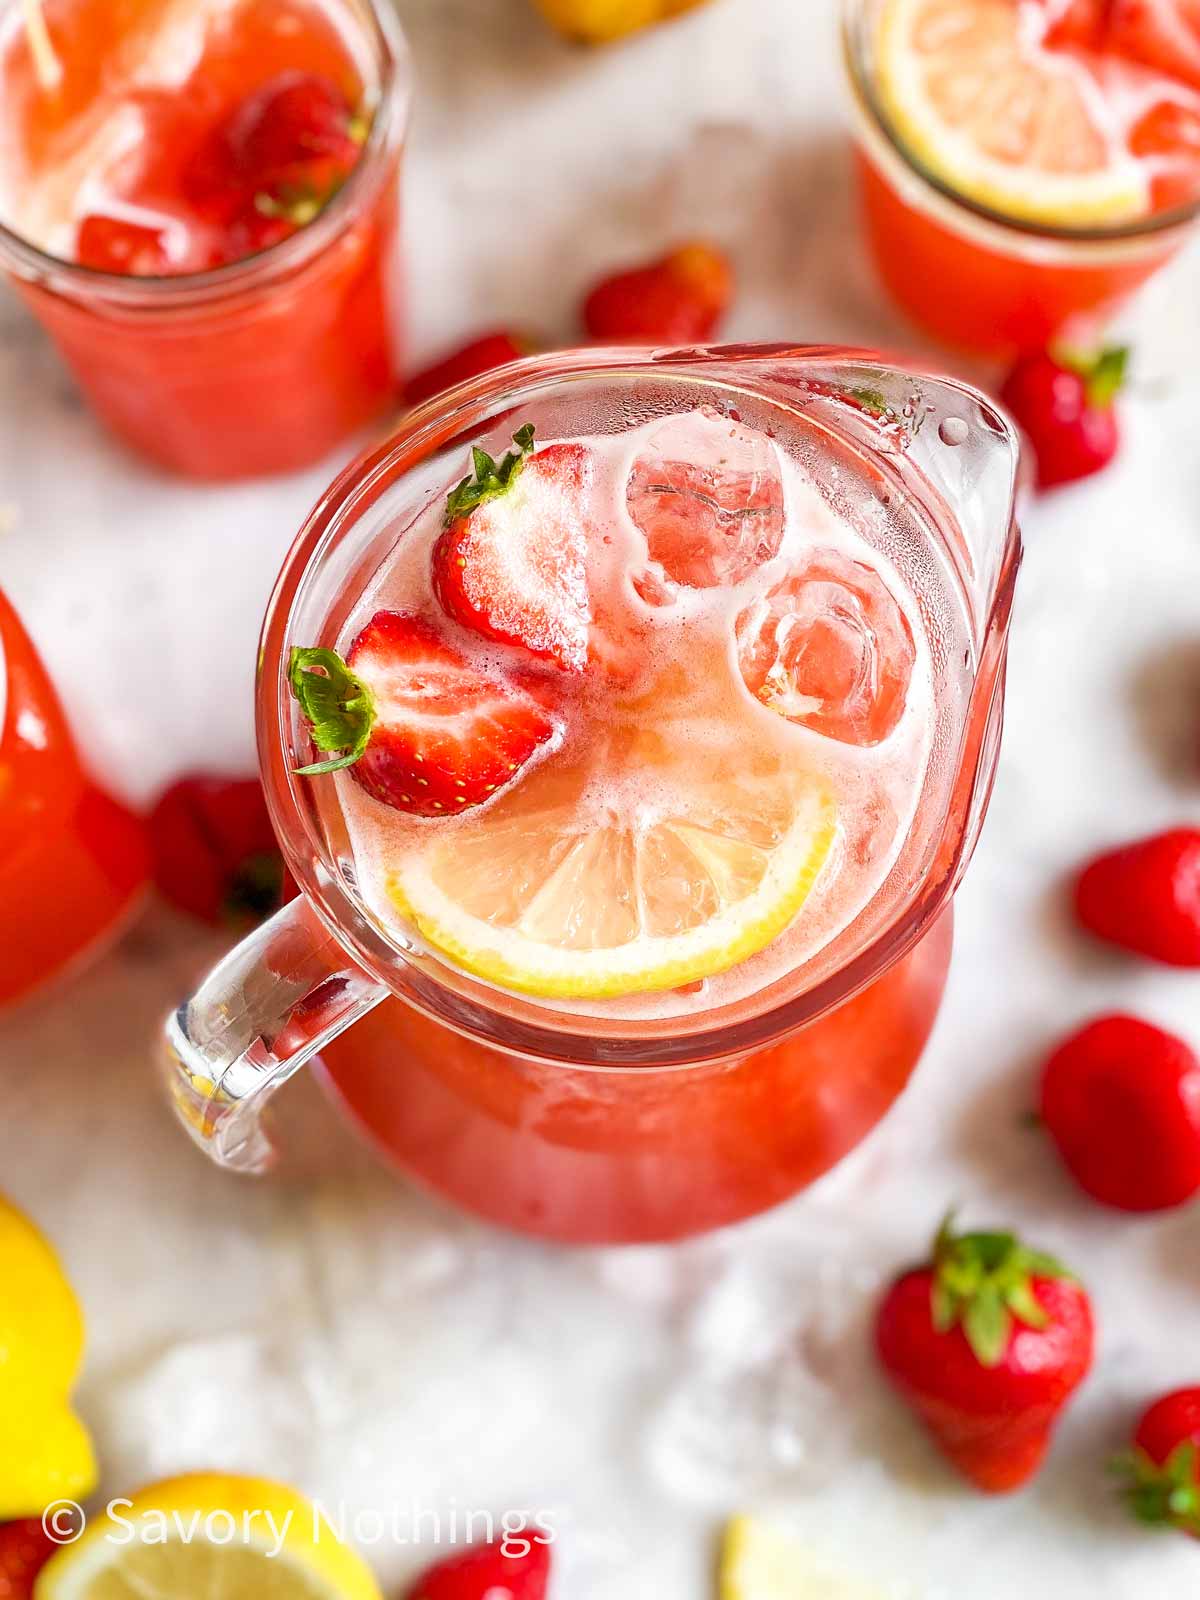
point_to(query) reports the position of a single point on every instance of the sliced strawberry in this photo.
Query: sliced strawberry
(512, 563)
(1164, 34)
(419, 727)
(112, 244)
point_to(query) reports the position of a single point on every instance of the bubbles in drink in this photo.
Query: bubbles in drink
(830, 648)
(707, 494)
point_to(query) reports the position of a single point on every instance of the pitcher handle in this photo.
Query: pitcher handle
(271, 1004)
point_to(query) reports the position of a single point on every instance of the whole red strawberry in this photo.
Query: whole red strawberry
(214, 851)
(1065, 405)
(417, 724)
(25, 1548)
(485, 1572)
(1121, 1100)
(987, 1343)
(1163, 1469)
(1145, 897)
(490, 350)
(679, 299)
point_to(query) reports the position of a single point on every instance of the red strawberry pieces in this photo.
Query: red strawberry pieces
(1163, 34)
(1163, 1469)
(1065, 405)
(1121, 1100)
(421, 728)
(512, 562)
(274, 165)
(296, 129)
(25, 1548)
(490, 350)
(987, 1344)
(214, 851)
(486, 1572)
(113, 244)
(679, 299)
(1146, 897)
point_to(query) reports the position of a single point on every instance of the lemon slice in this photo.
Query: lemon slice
(223, 1538)
(551, 897)
(758, 1563)
(984, 107)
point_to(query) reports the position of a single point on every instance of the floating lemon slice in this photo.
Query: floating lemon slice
(757, 1563)
(552, 895)
(209, 1535)
(1008, 124)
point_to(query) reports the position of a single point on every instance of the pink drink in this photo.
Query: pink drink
(754, 667)
(649, 753)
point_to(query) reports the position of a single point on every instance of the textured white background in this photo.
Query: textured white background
(341, 1331)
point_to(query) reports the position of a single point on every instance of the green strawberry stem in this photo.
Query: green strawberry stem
(490, 478)
(983, 1282)
(338, 707)
(1103, 372)
(1167, 1494)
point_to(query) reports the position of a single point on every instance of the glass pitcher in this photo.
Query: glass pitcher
(589, 1128)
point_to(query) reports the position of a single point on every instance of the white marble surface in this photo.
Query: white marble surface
(339, 1330)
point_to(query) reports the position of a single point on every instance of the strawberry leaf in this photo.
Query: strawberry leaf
(490, 478)
(338, 707)
(983, 1282)
(1166, 1494)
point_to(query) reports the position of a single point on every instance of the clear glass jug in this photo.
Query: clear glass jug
(584, 1128)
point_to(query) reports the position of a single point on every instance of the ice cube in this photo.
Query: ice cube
(829, 647)
(707, 493)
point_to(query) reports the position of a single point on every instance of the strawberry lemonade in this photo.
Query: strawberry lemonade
(635, 724)
(643, 732)
(1026, 164)
(198, 199)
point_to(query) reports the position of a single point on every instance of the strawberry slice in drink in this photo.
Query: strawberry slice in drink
(512, 562)
(707, 494)
(1163, 34)
(418, 725)
(830, 648)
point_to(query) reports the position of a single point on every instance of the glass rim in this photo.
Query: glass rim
(169, 291)
(495, 1017)
(1140, 230)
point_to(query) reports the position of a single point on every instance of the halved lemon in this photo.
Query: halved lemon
(982, 105)
(759, 1563)
(210, 1535)
(552, 895)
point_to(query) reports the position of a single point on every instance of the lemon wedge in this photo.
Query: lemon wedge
(759, 1563)
(226, 1538)
(983, 107)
